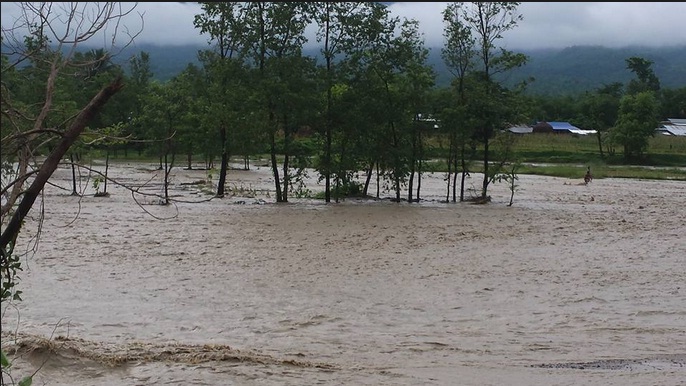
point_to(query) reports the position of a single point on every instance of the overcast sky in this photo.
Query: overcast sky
(545, 24)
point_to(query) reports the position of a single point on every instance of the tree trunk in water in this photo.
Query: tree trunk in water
(464, 172)
(166, 180)
(369, 170)
(286, 179)
(275, 166)
(286, 159)
(225, 163)
(484, 186)
(410, 184)
(73, 175)
(168, 165)
(329, 123)
(378, 181)
(419, 179)
(107, 166)
(455, 179)
(450, 165)
(420, 156)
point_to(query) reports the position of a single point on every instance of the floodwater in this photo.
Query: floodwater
(571, 285)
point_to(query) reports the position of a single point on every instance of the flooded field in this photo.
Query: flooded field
(572, 285)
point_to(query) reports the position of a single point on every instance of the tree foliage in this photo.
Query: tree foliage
(486, 23)
(636, 123)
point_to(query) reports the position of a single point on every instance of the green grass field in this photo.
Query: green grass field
(560, 155)
(568, 156)
(563, 155)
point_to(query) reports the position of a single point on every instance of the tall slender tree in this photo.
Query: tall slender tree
(275, 35)
(459, 55)
(338, 26)
(488, 21)
(598, 110)
(226, 24)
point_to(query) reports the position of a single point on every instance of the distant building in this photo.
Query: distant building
(673, 126)
(520, 129)
(560, 127)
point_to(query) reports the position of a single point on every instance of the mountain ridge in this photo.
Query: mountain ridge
(564, 71)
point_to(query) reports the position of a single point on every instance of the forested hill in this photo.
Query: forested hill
(556, 72)
(582, 68)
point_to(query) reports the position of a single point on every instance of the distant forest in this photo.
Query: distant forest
(556, 72)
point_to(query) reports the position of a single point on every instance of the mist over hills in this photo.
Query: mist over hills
(567, 71)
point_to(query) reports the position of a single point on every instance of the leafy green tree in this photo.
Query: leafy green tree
(459, 55)
(166, 116)
(598, 111)
(359, 114)
(227, 25)
(87, 71)
(386, 59)
(275, 35)
(673, 103)
(140, 79)
(417, 81)
(636, 123)
(638, 110)
(106, 137)
(191, 87)
(646, 78)
(295, 105)
(341, 27)
(488, 22)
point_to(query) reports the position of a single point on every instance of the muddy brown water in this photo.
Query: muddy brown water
(572, 285)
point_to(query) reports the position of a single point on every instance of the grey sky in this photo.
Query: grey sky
(545, 24)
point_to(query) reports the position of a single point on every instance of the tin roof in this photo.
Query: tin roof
(562, 126)
(521, 129)
(677, 121)
(679, 130)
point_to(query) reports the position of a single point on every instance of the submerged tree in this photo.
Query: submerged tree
(338, 26)
(487, 23)
(275, 37)
(225, 23)
(459, 55)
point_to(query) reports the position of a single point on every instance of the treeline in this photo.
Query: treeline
(370, 103)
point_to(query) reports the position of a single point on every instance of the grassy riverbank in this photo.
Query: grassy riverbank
(557, 155)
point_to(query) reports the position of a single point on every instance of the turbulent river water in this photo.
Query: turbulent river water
(571, 285)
